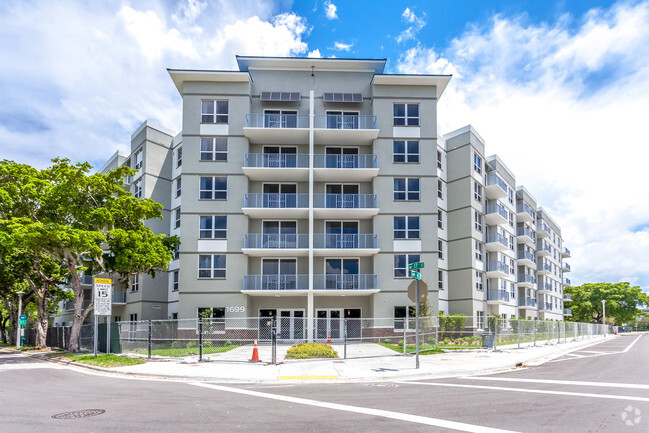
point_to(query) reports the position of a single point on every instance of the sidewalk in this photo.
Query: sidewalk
(376, 366)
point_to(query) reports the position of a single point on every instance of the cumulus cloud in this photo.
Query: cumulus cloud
(315, 54)
(80, 89)
(339, 46)
(416, 24)
(330, 10)
(564, 107)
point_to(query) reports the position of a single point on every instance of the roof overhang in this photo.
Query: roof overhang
(375, 66)
(180, 76)
(439, 81)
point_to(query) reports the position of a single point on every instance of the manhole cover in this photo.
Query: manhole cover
(78, 414)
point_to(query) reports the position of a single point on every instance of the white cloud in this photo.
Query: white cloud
(315, 54)
(417, 23)
(342, 47)
(84, 75)
(330, 10)
(565, 109)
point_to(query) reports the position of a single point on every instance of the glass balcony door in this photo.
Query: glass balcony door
(342, 196)
(290, 325)
(341, 274)
(280, 195)
(279, 157)
(279, 274)
(341, 234)
(279, 234)
(342, 120)
(280, 119)
(341, 157)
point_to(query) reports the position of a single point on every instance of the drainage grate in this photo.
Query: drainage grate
(78, 414)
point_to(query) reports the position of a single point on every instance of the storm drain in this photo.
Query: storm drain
(78, 414)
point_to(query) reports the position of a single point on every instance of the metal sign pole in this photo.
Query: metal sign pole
(107, 335)
(417, 323)
(95, 336)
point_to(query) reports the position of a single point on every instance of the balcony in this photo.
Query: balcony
(293, 285)
(347, 129)
(543, 250)
(495, 187)
(496, 242)
(347, 168)
(277, 245)
(334, 284)
(496, 269)
(567, 297)
(345, 245)
(69, 305)
(565, 267)
(277, 128)
(545, 288)
(497, 296)
(119, 297)
(526, 258)
(276, 205)
(526, 280)
(566, 281)
(545, 306)
(524, 213)
(526, 303)
(544, 269)
(567, 312)
(542, 230)
(276, 166)
(565, 252)
(524, 235)
(496, 214)
(345, 206)
(87, 280)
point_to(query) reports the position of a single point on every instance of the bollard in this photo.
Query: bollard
(150, 335)
(200, 339)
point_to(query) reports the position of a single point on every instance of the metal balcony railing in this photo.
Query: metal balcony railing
(540, 246)
(69, 305)
(526, 302)
(345, 161)
(566, 281)
(345, 240)
(494, 179)
(524, 208)
(345, 201)
(525, 231)
(522, 255)
(497, 208)
(566, 266)
(276, 200)
(543, 227)
(567, 297)
(345, 282)
(264, 240)
(498, 266)
(545, 267)
(565, 251)
(497, 295)
(526, 278)
(119, 297)
(276, 160)
(276, 282)
(567, 312)
(273, 120)
(548, 286)
(545, 306)
(88, 279)
(345, 121)
(497, 237)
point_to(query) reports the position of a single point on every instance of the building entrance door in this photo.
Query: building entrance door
(290, 325)
(329, 324)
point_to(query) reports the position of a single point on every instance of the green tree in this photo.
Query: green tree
(623, 302)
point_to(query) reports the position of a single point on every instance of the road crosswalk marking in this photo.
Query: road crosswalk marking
(559, 382)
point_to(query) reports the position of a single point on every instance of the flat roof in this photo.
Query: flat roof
(306, 63)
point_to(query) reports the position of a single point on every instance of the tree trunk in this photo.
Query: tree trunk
(79, 313)
(42, 305)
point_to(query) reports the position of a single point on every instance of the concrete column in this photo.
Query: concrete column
(309, 308)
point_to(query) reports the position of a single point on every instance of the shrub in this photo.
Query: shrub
(386, 341)
(311, 350)
(400, 343)
(207, 343)
(192, 344)
(227, 343)
(175, 344)
(430, 340)
(447, 340)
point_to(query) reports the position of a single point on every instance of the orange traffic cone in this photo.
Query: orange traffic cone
(329, 338)
(255, 353)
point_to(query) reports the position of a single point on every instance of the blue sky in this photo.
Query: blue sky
(559, 90)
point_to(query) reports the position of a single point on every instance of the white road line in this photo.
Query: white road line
(559, 382)
(631, 345)
(532, 391)
(599, 353)
(575, 355)
(453, 425)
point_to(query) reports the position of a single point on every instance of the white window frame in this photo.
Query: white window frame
(137, 189)
(218, 115)
(213, 270)
(179, 157)
(406, 228)
(213, 231)
(408, 157)
(477, 192)
(138, 159)
(408, 261)
(440, 189)
(178, 186)
(477, 221)
(135, 283)
(478, 251)
(175, 281)
(213, 192)
(477, 163)
(440, 219)
(479, 281)
(405, 119)
(214, 154)
(407, 192)
(177, 218)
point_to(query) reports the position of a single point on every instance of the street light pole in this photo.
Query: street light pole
(604, 313)
(20, 312)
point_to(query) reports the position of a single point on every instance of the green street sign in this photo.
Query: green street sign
(22, 322)
(415, 274)
(416, 265)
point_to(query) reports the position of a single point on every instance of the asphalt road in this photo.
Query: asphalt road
(603, 388)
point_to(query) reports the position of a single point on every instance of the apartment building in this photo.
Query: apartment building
(303, 188)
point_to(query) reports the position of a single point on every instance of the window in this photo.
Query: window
(401, 262)
(138, 160)
(135, 283)
(478, 250)
(512, 268)
(406, 114)
(400, 316)
(440, 249)
(213, 188)
(477, 218)
(179, 157)
(405, 151)
(176, 281)
(406, 227)
(211, 313)
(213, 227)
(440, 219)
(511, 218)
(477, 163)
(439, 159)
(440, 280)
(174, 316)
(214, 111)
(511, 195)
(406, 188)
(479, 319)
(177, 218)
(118, 319)
(132, 317)
(477, 192)
(177, 255)
(511, 243)
(478, 280)
(137, 189)
(214, 149)
(211, 266)
(512, 289)
(178, 187)
(440, 189)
